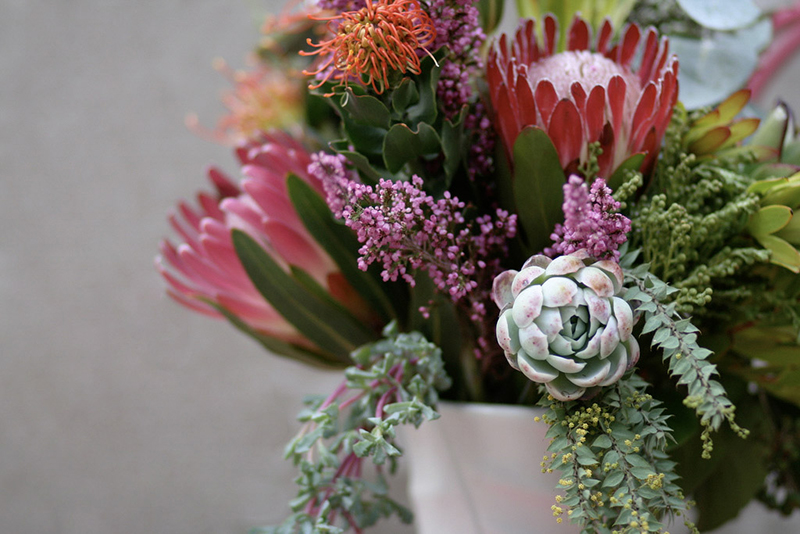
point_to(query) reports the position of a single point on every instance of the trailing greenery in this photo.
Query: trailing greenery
(394, 382)
(615, 476)
(676, 338)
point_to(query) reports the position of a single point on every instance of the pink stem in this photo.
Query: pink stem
(784, 46)
(333, 396)
(352, 522)
(786, 17)
(382, 401)
(351, 400)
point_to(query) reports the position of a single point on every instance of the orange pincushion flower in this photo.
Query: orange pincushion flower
(374, 42)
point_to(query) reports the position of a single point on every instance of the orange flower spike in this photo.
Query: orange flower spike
(372, 43)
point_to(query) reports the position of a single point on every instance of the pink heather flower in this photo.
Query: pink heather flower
(591, 221)
(205, 265)
(403, 229)
(585, 94)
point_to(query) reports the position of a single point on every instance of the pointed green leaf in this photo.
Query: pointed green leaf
(316, 320)
(538, 187)
(491, 13)
(340, 244)
(279, 347)
(773, 129)
(769, 220)
(783, 253)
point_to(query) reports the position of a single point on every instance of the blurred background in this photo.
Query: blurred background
(120, 411)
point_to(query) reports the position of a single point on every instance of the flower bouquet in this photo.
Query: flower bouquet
(583, 215)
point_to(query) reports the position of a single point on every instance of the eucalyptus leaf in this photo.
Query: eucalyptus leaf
(721, 14)
(717, 65)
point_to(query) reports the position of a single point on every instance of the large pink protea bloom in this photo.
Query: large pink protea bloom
(205, 266)
(584, 95)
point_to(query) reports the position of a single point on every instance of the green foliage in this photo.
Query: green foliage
(394, 381)
(593, 11)
(538, 187)
(615, 475)
(692, 229)
(676, 337)
(306, 355)
(401, 132)
(342, 246)
(312, 311)
(727, 482)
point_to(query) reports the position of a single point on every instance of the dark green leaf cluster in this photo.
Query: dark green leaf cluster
(402, 131)
(676, 337)
(394, 382)
(615, 476)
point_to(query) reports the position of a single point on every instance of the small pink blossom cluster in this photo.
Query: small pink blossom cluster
(402, 228)
(591, 221)
(458, 28)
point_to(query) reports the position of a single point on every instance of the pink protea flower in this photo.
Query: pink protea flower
(585, 95)
(205, 266)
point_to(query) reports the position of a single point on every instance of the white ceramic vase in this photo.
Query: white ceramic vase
(476, 470)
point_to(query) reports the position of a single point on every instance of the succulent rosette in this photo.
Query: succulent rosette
(564, 324)
(587, 93)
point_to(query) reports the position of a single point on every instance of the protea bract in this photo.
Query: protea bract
(586, 94)
(204, 272)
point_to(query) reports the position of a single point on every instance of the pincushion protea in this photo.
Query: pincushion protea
(205, 267)
(373, 44)
(581, 96)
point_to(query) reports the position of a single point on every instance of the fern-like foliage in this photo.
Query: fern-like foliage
(676, 338)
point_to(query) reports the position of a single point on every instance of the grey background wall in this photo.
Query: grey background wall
(119, 411)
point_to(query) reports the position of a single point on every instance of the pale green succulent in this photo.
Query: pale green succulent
(774, 225)
(563, 324)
